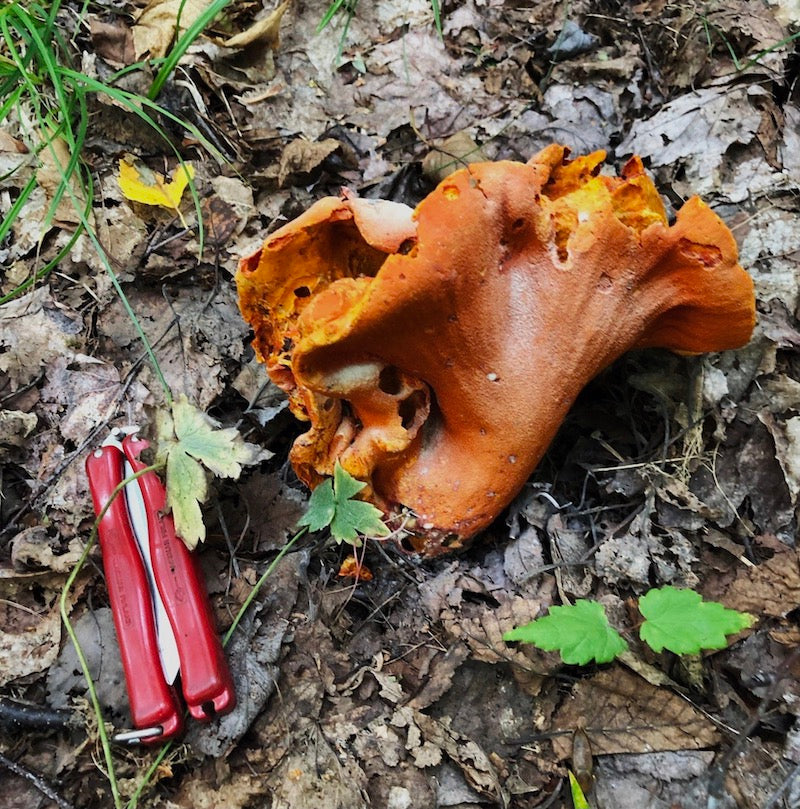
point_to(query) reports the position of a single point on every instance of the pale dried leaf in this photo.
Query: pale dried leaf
(29, 641)
(265, 32)
(54, 157)
(301, 157)
(156, 25)
(15, 426)
(34, 330)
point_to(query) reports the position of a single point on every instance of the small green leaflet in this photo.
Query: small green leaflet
(188, 441)
(679, 620)
(331, 504)
(580, 632)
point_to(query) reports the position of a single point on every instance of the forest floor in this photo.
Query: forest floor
(399, 691)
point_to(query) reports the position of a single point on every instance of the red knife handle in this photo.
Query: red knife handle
(205, 676)
(153, 702)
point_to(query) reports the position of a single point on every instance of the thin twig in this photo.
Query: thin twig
(36, 780)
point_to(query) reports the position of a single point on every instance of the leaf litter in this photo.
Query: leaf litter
(376, 693)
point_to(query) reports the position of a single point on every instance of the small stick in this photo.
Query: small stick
(37, 781)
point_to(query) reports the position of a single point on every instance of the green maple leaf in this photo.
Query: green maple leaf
(331, 504)
(679, 620)
(580, 632)
(192, 444)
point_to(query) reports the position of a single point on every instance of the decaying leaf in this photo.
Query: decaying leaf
(140, 184)
(15, 426)
(53, 178)
(29, 641)
(451, 154)
(34, 549)
(98, 640)
(427, 738)
(301, 157)
(34, 330)
(771, 587)
(236, 792)
(265, 32)
(621, 713)
(786, 434)
(191, 442)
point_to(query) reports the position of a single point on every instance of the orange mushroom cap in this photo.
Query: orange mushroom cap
(436, 355)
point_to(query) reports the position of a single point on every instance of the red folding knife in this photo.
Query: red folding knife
(159, 603)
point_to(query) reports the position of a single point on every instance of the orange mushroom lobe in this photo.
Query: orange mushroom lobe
(435, 352)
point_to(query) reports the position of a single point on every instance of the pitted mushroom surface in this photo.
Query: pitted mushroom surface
(435, 352)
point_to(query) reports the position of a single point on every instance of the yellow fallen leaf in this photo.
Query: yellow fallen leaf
(140, 184)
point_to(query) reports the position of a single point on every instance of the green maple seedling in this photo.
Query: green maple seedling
(580, 632)
(192, 444)
(677, 620)
(332, 505)
(682, 622)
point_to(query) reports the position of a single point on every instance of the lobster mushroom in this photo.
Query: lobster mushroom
(435, 352)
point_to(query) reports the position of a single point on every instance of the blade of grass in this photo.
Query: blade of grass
(329, 14)
(260, 583)
(90, 233)
(182, 45)
(437, 17)
(740, 66)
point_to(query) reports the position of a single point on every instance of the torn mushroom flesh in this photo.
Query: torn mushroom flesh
(435, 352)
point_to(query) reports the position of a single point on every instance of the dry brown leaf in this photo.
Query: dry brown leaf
(266, 32)
(82, 392)
(15, 426)
(481, 627)
(314, 775)
(427, 738)
(451, 154)
(156, 25)
(30, 636)
(34, 330)
(301, 157)
(770, 588)
(623, 714)
(112, 41)
(33, 548)
(786, 434)
(237, 792)
(33, 648)
(440, 677)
